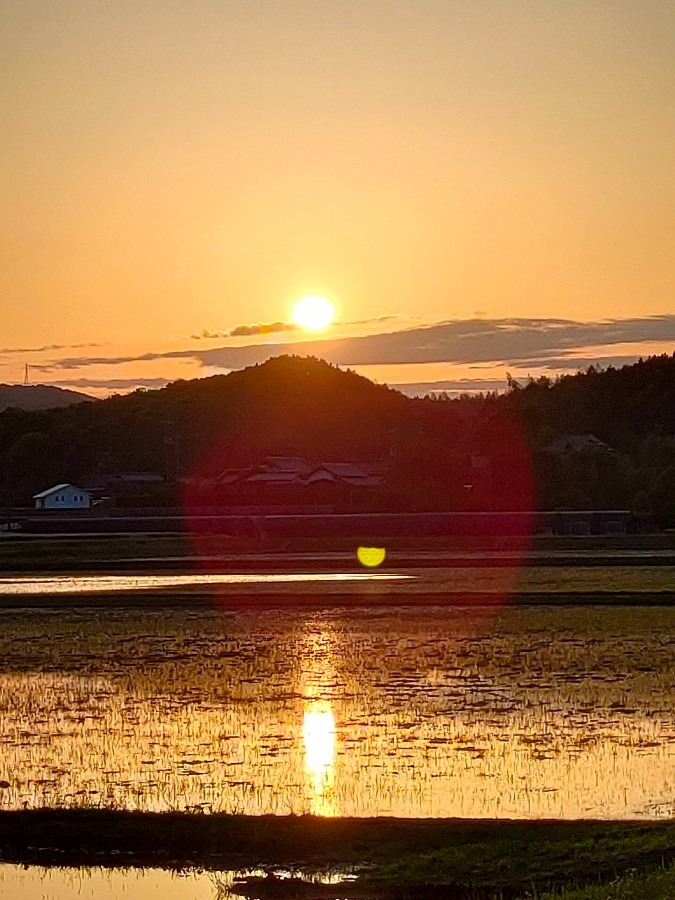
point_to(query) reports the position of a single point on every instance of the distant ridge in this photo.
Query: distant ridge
(38, 396)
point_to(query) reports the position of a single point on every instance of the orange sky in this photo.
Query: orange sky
(168, 167)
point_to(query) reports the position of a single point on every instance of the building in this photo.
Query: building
(63, 496)
(345, 473)
(576, 443)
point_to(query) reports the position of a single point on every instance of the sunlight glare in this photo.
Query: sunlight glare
(318, 732)
(319, 735)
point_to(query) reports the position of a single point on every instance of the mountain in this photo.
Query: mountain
(38, 396)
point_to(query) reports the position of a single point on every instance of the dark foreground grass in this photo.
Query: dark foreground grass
(313, 598)
(655, 885)
(402, 858)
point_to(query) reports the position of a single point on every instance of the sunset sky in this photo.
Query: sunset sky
(452, 174)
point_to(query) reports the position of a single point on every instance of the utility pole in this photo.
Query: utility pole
(8, 497)
(26, 379)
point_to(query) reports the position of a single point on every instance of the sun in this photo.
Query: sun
(313, 313)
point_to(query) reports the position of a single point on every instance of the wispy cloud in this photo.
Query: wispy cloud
(46, 348)
(377, 319)
(262, 328)
(83, 362)
(450, 386)
(206, 335)
(245, 331)
(574, 363)
(111, 384)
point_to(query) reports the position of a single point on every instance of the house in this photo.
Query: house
(230, 476)
(63, 496)
(277, 470)
(576, 443)
(136, 478)
(295, 464)
(346, 473)
(285, 481)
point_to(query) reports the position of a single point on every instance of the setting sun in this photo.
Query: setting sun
(313, 313)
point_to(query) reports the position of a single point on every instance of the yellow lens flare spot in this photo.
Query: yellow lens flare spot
(371, 556)
(313, 313)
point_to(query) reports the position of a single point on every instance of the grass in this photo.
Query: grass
(420, 858)
(92, 552)
(526, 858)
(657, 885)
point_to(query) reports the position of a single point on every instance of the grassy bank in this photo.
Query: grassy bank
(655, 885)
(400, 857)
(166, 552)
(315, 598)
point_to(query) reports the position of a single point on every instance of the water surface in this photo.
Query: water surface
(90, 584)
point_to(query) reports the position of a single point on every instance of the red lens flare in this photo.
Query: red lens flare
(261, 514)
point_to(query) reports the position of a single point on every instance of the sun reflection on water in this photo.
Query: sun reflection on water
(318, 732)
(318, 726)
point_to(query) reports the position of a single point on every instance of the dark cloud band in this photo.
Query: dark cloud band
(549, 343)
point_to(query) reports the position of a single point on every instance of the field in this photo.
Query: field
(162, 728)
(516, 712)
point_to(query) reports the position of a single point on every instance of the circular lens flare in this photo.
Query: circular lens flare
(371, 557)
(313, 313)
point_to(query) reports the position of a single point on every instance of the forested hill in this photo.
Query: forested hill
(306, 407)
(288, 405)
(620, 406)
(38, 396)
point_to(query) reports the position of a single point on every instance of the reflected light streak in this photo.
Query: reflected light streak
(318, 726)
(67, 584)
(318, 732)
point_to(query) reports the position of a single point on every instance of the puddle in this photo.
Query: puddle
(31, 882)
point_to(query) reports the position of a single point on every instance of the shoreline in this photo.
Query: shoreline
(148, 598)
(53, 564)
(395, 857)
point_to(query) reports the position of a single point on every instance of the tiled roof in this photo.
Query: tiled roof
(56, 489)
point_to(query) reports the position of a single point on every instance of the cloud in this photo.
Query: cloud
(82, 362)
(277, 327)
(457, 386)
(262, 328)
(516, 342)
(205, 335)
(465, 341)
(5, 351)
(377, 319)
(245, 331)
(575, 363)
(111, 384)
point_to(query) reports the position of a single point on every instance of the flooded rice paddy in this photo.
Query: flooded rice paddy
(430, 711)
